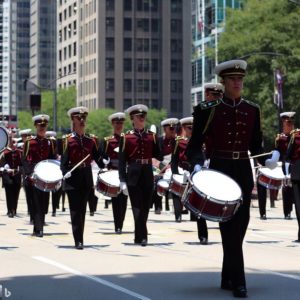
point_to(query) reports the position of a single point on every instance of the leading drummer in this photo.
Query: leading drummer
(109, 146)
(79, 150)
(36, 149)
(231, 127)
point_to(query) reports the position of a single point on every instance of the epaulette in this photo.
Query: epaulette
(294, 131)
(123, 136)
(252, 103)
(208, 104)
(130, 132)
(91, 136)
(65, 136)
(107, 138)
(179, 137)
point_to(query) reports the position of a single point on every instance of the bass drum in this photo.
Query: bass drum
(212, 195)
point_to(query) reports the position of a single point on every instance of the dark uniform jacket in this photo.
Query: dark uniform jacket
(293, 154)
(75, 149)
(228, 132)
(136, 150)
(108, 146)
(179, 158)
(35, 150)
(12, 157)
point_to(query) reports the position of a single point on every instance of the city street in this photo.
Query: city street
(173, 265)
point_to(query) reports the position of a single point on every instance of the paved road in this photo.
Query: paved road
(173, 266)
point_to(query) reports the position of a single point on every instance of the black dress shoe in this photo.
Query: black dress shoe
(144, 243)
(118, 231)
(39, 233)
(79, 246)
(203, 240)
(53, 214)
(240, 292)
(178, 219)
(226, 285)
(91, 213)
(263, 217)
(10, 215)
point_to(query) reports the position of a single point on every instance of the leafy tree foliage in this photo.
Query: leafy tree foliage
(255, 33)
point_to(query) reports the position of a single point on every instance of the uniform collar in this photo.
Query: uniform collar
(229, 102)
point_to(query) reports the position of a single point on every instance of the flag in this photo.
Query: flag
(278, 83)
(199, 19)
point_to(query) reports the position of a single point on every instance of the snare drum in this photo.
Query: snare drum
(47, 175)
(212, 195)
(177, 185)
(162, 187)
(271, 179)
(108, 183)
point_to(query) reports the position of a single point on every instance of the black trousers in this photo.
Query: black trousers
(29, 198)
(296, 189)
(156, 199)
(140, 197)
(119, 206)
(233, 233)
(201, 226)
(288, 199)
(55, 199)
(12, 192)
(93, 201)
(39, 208)
(262, 198)
(177, 206)
(78, 199)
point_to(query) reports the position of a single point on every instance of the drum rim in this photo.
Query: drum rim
(260, 173)
(6, 136)
(54, 161)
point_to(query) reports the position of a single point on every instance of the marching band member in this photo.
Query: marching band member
(281, 144)
(230, 127)
(179, 159)
(293, 168)
(109, 147)
(136, 150)
(10, 162)
(79, 149)
(167, 143)
(36, 149)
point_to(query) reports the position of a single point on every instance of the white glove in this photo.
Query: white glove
(186, 176)
(206, 163)
(197, 168)
(1, 169)
(287, 167)
(106, 161)
(287, 180)
(271, 163)
(67, 175)
(123, 187)
(6, 167)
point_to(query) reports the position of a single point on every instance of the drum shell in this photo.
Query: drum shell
(176, 187)
(162, 189)
(269, 183)
(107, 189)
(208, 208)
(46, 186)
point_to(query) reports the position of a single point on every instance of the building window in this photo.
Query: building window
(127, 44)
(142, 24)
(176, 46)
(154, 25)
(127, 5)
(109, 103)
(154, 5)
(154, 45)
(127, 24)
(127, 65)
(110, 4)
(110, 44)
(154, 65)
(110, 24)
(154, 86)
(127, 103)
(176, 26)
(176, 65)
(176, 6)
(109, 84)
(127, 85)
(109, 64)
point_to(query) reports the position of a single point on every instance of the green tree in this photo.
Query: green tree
(260, 27)
(25, 120)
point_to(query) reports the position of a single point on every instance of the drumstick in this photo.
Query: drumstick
(78, 164)
(259, 155)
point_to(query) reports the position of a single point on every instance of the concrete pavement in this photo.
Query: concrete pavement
(173, 266)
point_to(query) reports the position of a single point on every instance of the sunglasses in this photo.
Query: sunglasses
(42, 124)
(79, 118)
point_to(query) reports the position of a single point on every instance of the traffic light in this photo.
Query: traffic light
(35, 102)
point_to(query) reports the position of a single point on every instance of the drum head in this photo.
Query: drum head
(163, 183)
(217, 185)
(178, 178)
(48, 170)
(110, 177)
(3, 138)
(276, 173)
